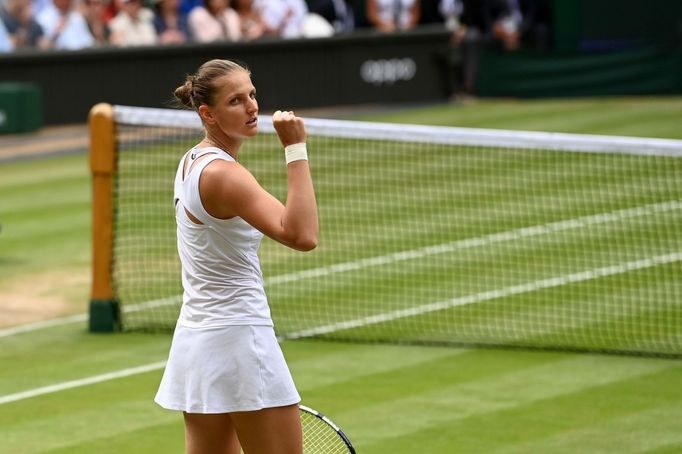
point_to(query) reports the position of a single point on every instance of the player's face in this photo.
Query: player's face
(235, 108)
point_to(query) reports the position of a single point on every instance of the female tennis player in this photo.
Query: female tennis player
(225, 369)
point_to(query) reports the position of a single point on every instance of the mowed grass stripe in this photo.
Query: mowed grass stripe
(38, 172)
(316, 364)
(479, 383)
(45, 217)
(67, 353)
(634, 433)
(483, 414)
(633, 116)
(571, 423)
(136, 392)
(359, 353)
(85, 413)
(164, 437)
(590, 420)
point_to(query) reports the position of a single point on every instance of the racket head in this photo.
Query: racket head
(321, 435)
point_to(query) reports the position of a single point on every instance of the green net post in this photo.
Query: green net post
(105, 316)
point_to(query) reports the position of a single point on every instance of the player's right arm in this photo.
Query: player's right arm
(228, 189)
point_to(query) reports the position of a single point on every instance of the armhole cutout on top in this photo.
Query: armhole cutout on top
(189, 215)
(192, 218)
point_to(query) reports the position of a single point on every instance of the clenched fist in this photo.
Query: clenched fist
(289, 127)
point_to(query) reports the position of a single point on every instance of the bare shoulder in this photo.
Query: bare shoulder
(222, 170)
(227, 178)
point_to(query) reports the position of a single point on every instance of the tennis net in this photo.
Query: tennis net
(433, 234)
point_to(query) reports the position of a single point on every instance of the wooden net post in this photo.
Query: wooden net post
(104, 309)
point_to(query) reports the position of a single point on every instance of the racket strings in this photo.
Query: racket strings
(319, 437)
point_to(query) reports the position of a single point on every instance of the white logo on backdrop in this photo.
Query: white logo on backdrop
(3, 117)
(378, 72)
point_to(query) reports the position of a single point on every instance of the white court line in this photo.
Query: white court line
(490, 295)
(380, 318)
(44, 324)
(484, 240)
(78, 318)
(81, 382)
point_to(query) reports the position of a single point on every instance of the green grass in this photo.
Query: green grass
(389, 399)
(45, 238)
(635, 116)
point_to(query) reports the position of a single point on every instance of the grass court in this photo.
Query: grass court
(387, 398)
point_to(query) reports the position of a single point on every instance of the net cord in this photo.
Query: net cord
(174, 118)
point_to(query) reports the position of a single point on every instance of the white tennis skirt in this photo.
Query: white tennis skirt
(225, 369)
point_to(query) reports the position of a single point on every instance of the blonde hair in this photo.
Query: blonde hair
(199, 88)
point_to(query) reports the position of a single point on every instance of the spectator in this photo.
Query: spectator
(112, 9)
(507, 25)
(474, 24)
(283, 18)
(133, 25)
(450, 12)
(339, 13)
(94, 13)
(172, 26)
(316, 26)
(252, 24)
(24, 31)
(389, 16)
(431, 11)
(188, 5)
(215, 22)
(535, 23)
(492, 22)
(64, 26)
(5, 41)
(37, 6)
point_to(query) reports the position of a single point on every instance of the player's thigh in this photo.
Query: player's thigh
(270, 431)
(210, 433)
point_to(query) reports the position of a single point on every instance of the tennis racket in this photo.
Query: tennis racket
(321, 435)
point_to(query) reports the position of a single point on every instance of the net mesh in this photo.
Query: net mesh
(523, 240)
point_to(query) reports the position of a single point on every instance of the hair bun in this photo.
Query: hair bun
(184, 92)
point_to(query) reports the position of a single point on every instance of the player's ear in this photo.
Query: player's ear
(206, 114)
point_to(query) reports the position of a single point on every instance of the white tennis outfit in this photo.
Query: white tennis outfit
(224, 356)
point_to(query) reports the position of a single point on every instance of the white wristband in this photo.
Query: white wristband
(296, 152)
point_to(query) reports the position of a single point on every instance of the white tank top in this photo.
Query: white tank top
(221, 274)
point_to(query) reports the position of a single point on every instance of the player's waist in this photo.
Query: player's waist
(244, 308)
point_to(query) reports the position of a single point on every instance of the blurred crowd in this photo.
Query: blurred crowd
(78, 24)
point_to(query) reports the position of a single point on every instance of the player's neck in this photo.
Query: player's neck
(228, 145)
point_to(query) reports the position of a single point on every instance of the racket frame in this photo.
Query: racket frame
(331, 423)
